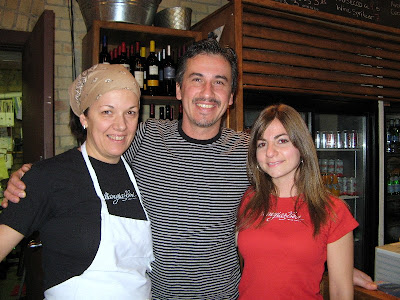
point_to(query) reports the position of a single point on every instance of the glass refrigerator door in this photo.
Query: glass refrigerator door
(392, 173)
(341, 147)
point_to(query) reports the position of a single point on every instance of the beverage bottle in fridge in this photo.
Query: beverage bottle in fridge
(335, 189)
(152, 71)
(390, 185)
(396, 183)
(394, 133)
(389, 137)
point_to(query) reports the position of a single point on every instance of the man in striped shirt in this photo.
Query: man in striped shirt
(192, 174)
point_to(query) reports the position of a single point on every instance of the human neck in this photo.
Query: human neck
(200, 133)
(285, 189)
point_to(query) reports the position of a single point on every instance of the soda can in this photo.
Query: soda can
(339, 140)
(331, 166)
(324, 166)
(345, 139)
(339, 167)
(353, 139)
(323, 139)
(330, 139)
(317, 140)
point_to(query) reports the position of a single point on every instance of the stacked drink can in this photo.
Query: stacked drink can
(336, 182)
(346, 139)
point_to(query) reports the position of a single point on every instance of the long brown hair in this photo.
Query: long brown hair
(308, 180)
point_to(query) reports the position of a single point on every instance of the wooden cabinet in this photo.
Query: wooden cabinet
(117, 33)
(284, 48)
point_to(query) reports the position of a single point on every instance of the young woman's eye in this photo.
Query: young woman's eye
(260, 144)
(283, 141)
(132, 113)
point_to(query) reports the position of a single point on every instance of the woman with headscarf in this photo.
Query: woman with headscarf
(85, 202)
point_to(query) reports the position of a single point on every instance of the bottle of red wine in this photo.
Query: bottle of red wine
(104, 57)
(180, 115)
(123, 59)
(169, 74)
(152, 110)
(152, 71)
(162, 115)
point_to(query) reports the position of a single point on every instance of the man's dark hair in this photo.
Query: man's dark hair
(212, 47)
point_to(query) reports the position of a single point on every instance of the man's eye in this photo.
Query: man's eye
(107, 112)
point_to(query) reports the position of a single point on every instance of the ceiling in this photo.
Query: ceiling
(10, 60)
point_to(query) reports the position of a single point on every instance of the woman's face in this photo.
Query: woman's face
(111, 125)
(277, 156)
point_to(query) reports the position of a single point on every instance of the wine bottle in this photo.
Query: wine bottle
(143, 59)
(152, 110)
(169, 74)
(161, 58)
(104, 57)
(167, 111)
(123, 59)
(162, 115)
(137, 66)
(115, 58)
(180, 114)
(152, 71)
(132, 54)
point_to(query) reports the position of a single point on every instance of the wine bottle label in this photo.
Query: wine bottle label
(139, 76)
(152, 82)
(169, 73)
(153, 70)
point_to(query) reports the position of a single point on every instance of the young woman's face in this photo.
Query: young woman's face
(276, 154)
(111, 125)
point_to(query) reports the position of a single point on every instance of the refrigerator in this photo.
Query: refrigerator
(345, 133)
(391, 216)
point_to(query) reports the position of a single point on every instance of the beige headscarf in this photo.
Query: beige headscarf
(98, 80)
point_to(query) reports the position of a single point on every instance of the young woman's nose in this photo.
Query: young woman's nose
(271, 150)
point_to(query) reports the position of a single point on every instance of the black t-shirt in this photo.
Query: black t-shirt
(62, 204)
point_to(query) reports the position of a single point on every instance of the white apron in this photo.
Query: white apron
(118, 270)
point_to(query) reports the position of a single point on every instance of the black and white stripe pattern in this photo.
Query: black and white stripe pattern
(191, 190)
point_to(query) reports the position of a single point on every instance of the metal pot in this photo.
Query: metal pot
(174, 17)
(129, 11)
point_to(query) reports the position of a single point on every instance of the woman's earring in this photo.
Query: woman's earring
(258, 168)
(84, 127)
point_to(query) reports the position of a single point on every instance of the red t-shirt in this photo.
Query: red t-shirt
(282, 260)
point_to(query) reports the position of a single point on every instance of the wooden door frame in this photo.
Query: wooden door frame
(13, 40)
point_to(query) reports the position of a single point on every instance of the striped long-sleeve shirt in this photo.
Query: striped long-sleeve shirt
(191, 190)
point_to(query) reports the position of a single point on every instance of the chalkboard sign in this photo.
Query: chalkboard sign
(384, 12)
